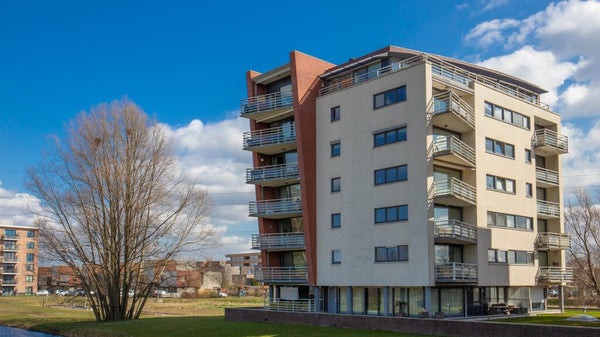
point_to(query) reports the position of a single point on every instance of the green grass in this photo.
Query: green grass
(200, 317)
(556, 319)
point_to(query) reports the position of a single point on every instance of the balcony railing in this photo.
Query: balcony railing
(11, 248)
(272, 173)
(450, 145)
(275, 208)
(454, 230)
(456, 272)
(303, 305)
(546, 177)
(282, 274)
(454, 187)
(373, 74)
(553, 241)
(450, 102)
(10, 270)
(266, 102)
(550, 141)
(555, 274)
(272, 136)
(293, 240)
(548, 209)
(10, 260)
(10, 236)
(8, 282)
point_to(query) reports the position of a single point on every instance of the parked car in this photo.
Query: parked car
(159, 293)
(42, 292)
(222, 294)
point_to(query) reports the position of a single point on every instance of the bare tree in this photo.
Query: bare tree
(582, 216)
(115, 210)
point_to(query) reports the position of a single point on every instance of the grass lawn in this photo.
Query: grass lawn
(556, 319)
(163, 318)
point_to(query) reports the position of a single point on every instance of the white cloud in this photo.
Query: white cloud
(580, 165)
(16, 209)
(491, 4)
(491, 32)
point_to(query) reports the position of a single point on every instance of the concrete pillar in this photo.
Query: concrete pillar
(561, 298)
(386, 301)
(427, 300)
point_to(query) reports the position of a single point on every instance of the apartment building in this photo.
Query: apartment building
(18, 256)
(404, 183)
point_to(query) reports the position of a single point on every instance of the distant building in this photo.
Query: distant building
(57, 277)
(247, 263)
(19, 257)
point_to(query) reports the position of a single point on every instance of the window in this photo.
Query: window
(500, 184)
(391, 254)
(336, 220)
(506, 115)
(509, 221)
(10, 233)
(510, 256)
(391, 174)
(391, 214)
(528, 190)
(28, 278)
(389, 136)
(335, 113)
(29, 290)
(336, 257)
(30, 245)
(500, 148)
(528, 156)
(30, 234)
(389, 97)
(29, 267)
(30, 257)
(336, 149)
(335, 184)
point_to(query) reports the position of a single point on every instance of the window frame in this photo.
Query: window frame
(502, 220)
(499, 148)
(398, 253)
(400, 174)
(506, 115)
(336, 223)
(390, 136)
(335, 149)
(336, 185)
(388, 212)
(335, 113)
(336, 256)
(500, 180)
(389, 97)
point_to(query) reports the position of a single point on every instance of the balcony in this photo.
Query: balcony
(11, 237)
(554, 274)
(278, 241)
(549, 143)
(271, 141)
(454, 192)
(553, 241)
(453, 150)
(284, 275)
(9, 259)
(273, 175)
(545, 177)
(456, 272)
(11, 248)
(269, 107)
(9, 281)
(9, 271)
(301, 305)
(452, 112)
(276, 208)
(548, 209)
(454, 232)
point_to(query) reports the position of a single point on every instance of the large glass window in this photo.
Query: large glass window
(510, 256)
(500, 148)
(503, 114)
(509, 220)
(389, 136)
(500, 184)
(391, 174)
(391, 254)
(389, 97)
(391, 214)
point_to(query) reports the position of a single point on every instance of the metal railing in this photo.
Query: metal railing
(455, 146)
(271, 136)
(455, 229)
(10, 237)
(548, 208)
(7, 282)
(443, 69)
(551, 240)
(273, 172)
(300, 305)
(10, 270)
(9, 248)
(547, 137)
(457, 188)
(282, 274)
(275, 207)
(10, 259)
(278, 240)
(451, 102)
(555, 274)
(546, 176)
(373, 74)
(266, 102)
(456, 272)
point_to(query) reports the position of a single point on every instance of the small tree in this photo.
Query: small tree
(582, 216)
(115, 210)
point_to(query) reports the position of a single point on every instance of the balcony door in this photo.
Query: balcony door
(445, 254)
(443, 175)
(446, 213)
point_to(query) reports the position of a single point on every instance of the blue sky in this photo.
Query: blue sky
(185, 62)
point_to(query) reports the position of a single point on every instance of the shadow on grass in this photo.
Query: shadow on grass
(201, 326)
